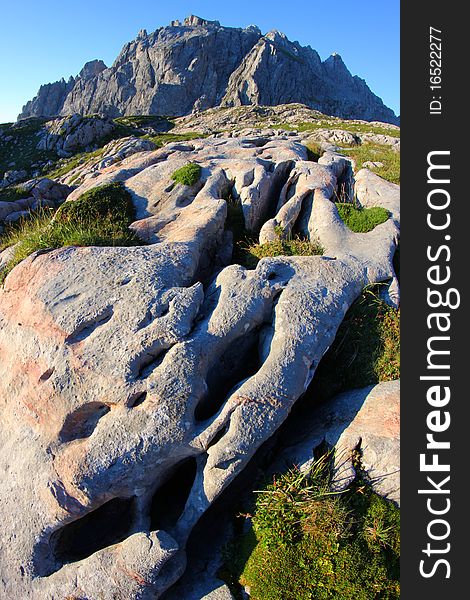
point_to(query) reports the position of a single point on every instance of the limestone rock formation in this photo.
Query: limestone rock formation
(138, 382)
(70, 134)
(199, 64)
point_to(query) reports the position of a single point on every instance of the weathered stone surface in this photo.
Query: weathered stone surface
(123, 374)
(368, 419)
(11, 177)
(252, 168)
(113, 152)
(272, 121)
(73, 133)
(198, 64)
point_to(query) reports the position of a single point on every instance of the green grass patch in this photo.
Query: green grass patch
(21, 149)
(253, 252)
(162, 139)
(187, 174)
(138, 121)
(377, 153)
(12, 193)
(361, 220)
(366, 349)
(100, 217)
(309, 543)
(339, 124)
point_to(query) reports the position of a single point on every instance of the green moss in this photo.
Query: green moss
(187, 174)
(307, 543)
(366, 349)
(361, 220)
(100, 217)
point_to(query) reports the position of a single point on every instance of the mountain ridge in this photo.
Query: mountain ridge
(197, 64)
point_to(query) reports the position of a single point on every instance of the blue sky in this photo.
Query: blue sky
(41, 42)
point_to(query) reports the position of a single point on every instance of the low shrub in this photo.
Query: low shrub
(187, 174)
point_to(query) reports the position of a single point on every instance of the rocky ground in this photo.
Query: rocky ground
(140, 381)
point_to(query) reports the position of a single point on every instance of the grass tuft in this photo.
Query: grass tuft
(310, 543)
(100, 217)
(253, 252)
(187, 174)
(314, 151)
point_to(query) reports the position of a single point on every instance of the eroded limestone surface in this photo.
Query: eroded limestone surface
(136, 383)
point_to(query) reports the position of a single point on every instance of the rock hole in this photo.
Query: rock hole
(345, 186)
(137, 399)
(218, 436)
(170, 498)
(88, 327)
(149, 362)
(240, 361)
(46, 375)
(301, 224)
(83, 421)
(107, 525)
(278, 180)
(163, 310)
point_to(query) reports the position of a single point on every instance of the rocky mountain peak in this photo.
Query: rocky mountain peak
(199, 64)
(91, 69)
(194, 21)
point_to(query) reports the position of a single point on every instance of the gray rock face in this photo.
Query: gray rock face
(278, 71)
(133, 393)
(49, 100)
(73, 133)
(199, 64)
